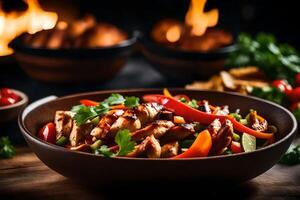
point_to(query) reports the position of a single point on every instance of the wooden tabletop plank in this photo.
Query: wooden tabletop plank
(25, 176)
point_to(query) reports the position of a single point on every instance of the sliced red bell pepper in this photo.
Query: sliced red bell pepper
(88, 102)
(200, 147)
(192, 114)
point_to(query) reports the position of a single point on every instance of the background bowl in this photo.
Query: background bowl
(89, 168)
(9, 113)
(184, 65)
(68, 65)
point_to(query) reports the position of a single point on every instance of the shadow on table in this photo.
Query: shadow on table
(182, 190)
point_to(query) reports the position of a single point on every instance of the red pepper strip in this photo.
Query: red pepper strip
(192, 114)
(88, 102)
(200, 147)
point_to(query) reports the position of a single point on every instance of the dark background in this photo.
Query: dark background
(277, 17)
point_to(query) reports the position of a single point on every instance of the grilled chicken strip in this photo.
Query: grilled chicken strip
(104, 125)
(221, 110)
(134, 119)
(178, 133)
(147, 112)
(63, 123)
(169, 150)
(158, 128)
(214, 127)
(256, 123)
(204, 106)
(128, 120)
(222, 139)
(79, 132)
(150, 146)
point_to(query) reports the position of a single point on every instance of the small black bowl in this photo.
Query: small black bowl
(68, 65)
(184, 65)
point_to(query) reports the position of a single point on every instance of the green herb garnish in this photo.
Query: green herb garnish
(296, 113)
(85, 113)
(123, 140)
(131, 102)
(278, 61)
(292, 156)
(104, 150)
(269, 93)
(6, 149)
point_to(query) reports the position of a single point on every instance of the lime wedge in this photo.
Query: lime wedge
(248, 142)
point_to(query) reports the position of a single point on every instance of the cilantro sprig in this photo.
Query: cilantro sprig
(292, 156)
(6, 149)
(277, 60)
(84, 113)
(123, 140)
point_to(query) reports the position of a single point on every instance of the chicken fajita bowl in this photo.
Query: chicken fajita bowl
(193, 134)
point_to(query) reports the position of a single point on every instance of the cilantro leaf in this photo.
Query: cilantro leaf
(114, 99)
(123, 139)
(131, 102)
(6, 149)
(277, 60)
(84, 113)
(292, 156)
(104, 150)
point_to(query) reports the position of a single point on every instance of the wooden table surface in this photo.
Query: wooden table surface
(26, 177)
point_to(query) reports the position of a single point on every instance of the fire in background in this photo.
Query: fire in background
(196, 33)
(14, 23)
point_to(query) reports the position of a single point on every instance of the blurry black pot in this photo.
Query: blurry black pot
(184, 65)
(68, 65)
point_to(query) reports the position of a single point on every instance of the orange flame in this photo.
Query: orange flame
(200, 20)
(12, 24)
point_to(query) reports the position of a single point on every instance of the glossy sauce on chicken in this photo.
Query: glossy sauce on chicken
(153, 128)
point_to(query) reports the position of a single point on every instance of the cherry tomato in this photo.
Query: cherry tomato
(282, 85)
(14, 96)
(6, 101)
(297, 79)
(294, 95)
(235, 147)
(6, 92)
(48, 133)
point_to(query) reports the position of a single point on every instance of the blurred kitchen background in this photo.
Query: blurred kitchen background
(277, 17)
